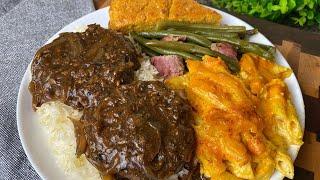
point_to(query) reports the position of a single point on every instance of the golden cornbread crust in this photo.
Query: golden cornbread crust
(191, 11)
(142, 15)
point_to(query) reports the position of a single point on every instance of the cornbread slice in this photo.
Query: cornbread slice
(137, 15)
(191, 11)
(143, 15)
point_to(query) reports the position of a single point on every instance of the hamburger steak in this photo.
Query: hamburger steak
(79, 68)
(129, 129)
(142, 130)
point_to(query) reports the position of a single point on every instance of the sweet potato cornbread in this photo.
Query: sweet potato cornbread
(142, 15)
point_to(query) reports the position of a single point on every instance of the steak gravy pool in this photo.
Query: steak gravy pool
(129, 129)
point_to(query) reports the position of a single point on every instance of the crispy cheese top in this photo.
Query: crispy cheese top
(242, 132)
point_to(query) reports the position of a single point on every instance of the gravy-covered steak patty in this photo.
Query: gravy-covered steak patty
(140, 131)
(129, 129)
(77, 68)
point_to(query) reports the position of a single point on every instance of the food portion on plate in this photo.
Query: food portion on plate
(142, 130)
(238, 132)
(166, 93)
(126, 128)
(79, 69)
(142, 15)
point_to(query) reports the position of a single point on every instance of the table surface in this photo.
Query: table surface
(309, 44)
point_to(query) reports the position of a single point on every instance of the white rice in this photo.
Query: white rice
(147, 71)
(55, 119)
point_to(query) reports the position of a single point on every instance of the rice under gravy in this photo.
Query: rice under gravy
(56, 120)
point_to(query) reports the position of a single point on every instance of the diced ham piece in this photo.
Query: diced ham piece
(224, 48)
(168, 65)
(174, 38)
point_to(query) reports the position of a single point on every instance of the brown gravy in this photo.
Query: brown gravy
(80, 68)
(129, 129)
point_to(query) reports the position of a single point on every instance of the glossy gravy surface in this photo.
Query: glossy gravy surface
(130, 129)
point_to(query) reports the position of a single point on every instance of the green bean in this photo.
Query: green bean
(222, 34)
(149, 52)
(199, 55)
(190, 36)
(232, 63)
(164, 51)
(256, 50)
(271, 49)
(187, 47)
(175, 52)
(244, 46)
(204, 27)
(184, 50)
(192, 48)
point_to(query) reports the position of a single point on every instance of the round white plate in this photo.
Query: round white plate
(33, 139)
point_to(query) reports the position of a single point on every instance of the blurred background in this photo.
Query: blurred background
(302, 14)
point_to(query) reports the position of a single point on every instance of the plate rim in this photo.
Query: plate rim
(19, 120)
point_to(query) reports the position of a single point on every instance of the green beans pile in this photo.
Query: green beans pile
(199, 38)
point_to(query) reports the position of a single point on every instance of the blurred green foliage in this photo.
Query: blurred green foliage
(299, 12)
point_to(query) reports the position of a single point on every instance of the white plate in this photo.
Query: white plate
(33, 139)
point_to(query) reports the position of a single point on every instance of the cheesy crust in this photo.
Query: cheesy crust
(241, 132)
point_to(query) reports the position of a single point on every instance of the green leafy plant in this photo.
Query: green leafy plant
(299, 12)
